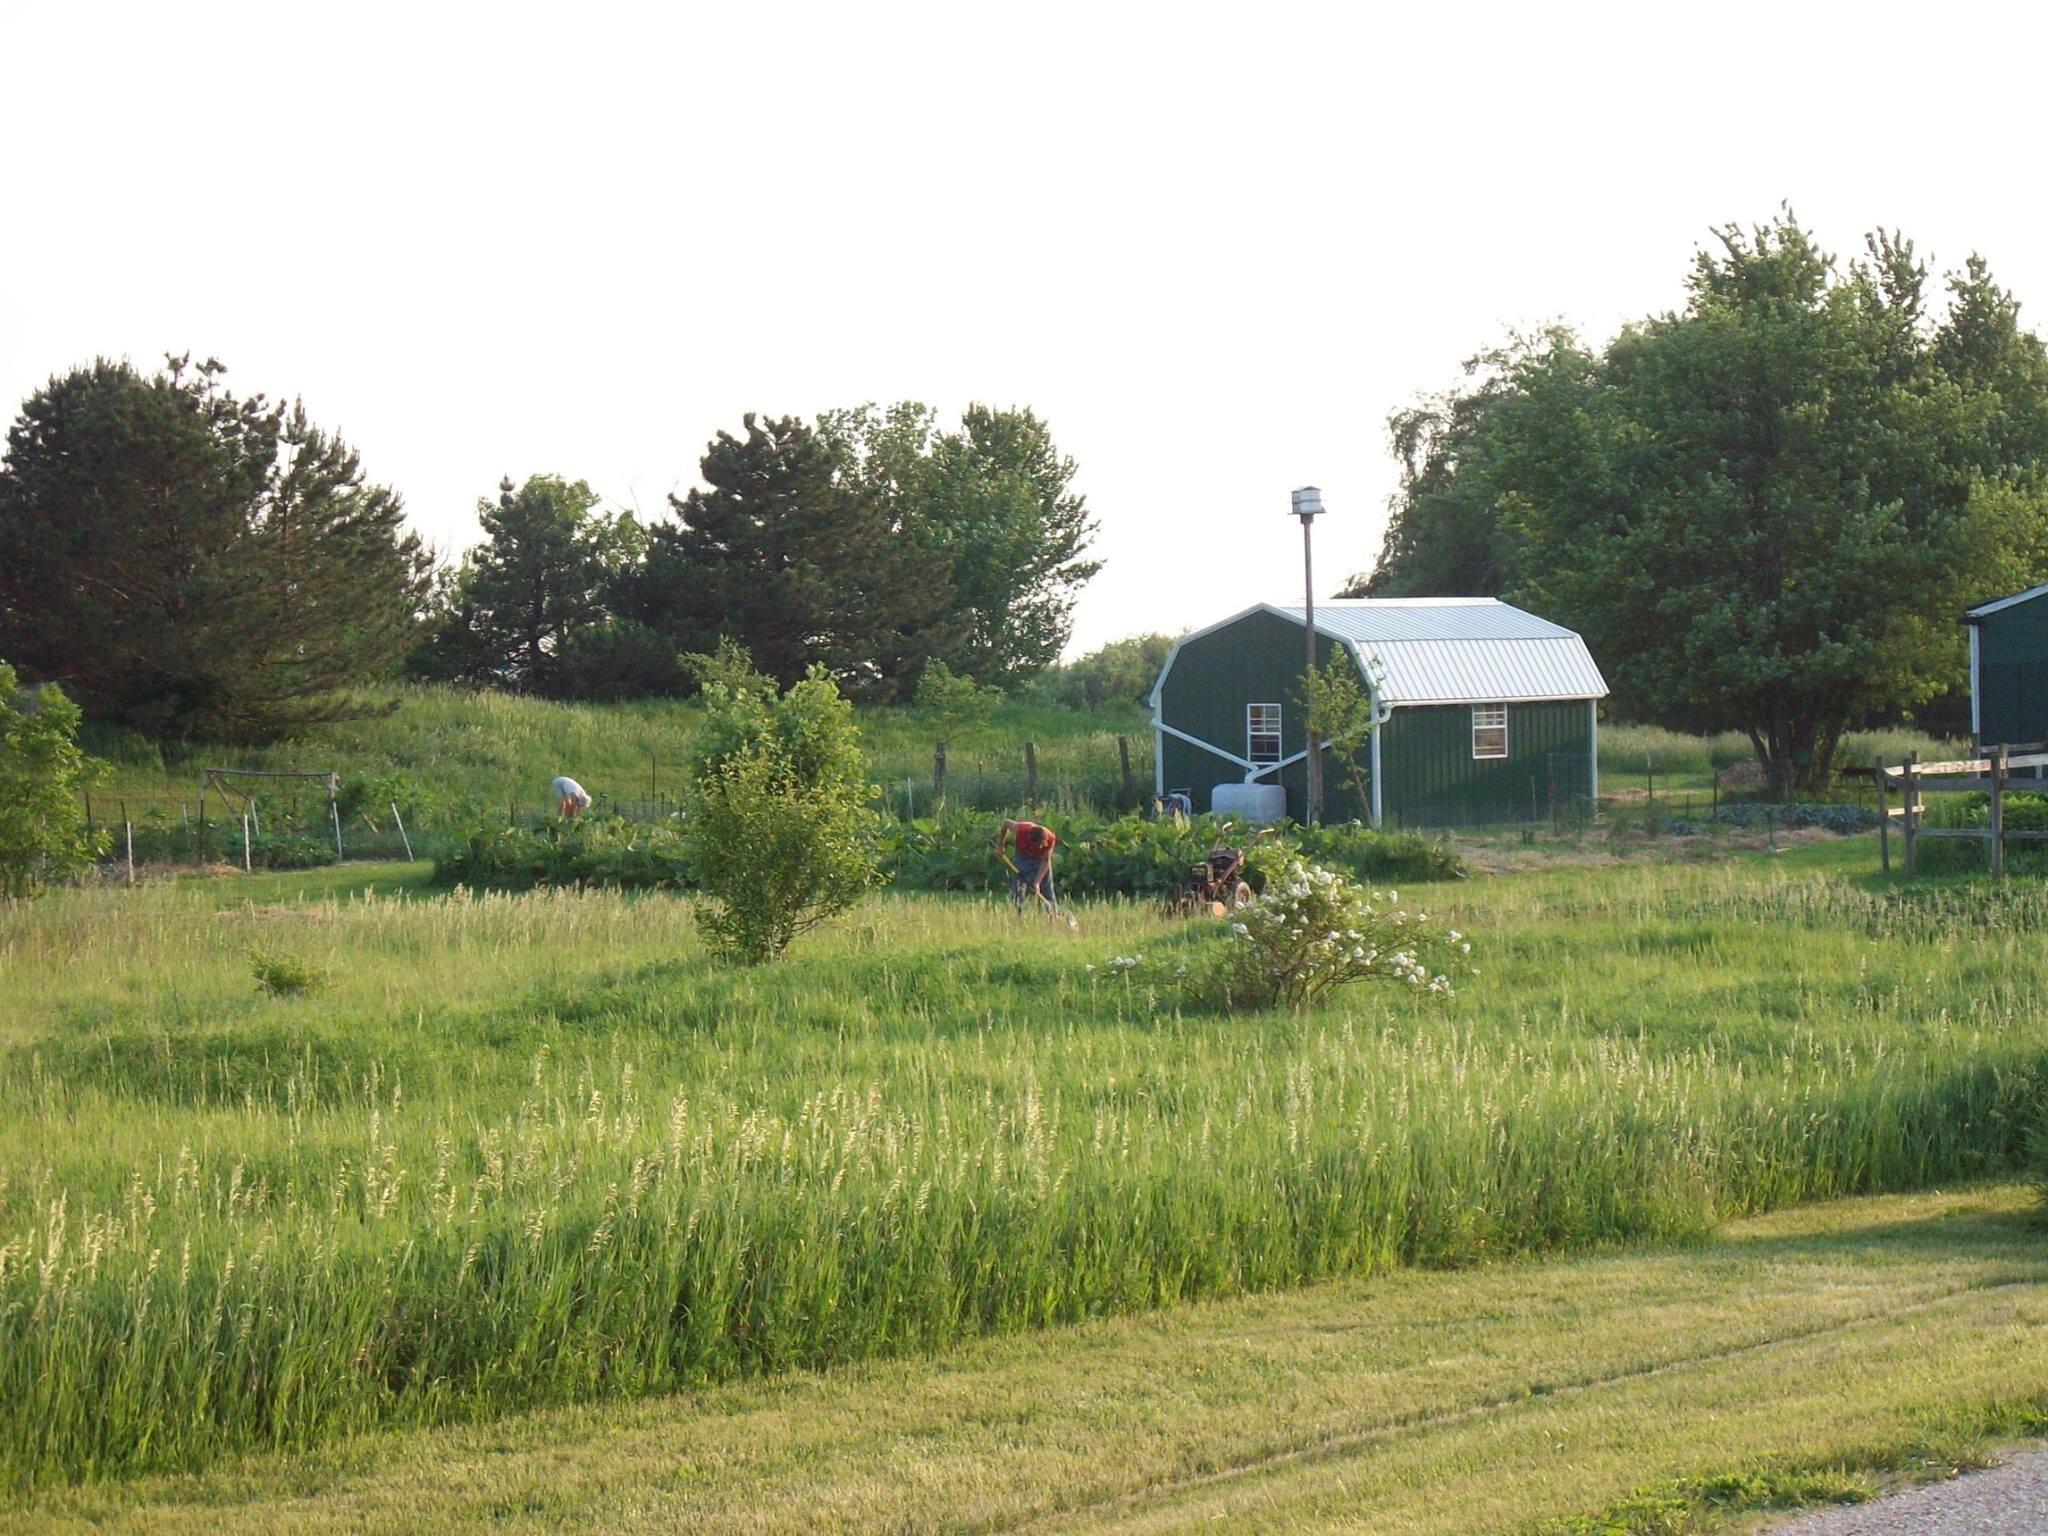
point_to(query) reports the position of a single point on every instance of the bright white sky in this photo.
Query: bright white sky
(1213, 245)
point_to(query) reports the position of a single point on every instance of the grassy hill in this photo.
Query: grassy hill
(444, 752)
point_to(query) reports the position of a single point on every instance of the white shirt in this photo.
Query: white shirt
(568, 789)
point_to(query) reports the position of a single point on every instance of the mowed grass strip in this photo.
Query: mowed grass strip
(1823, 1349)
(536, 1150)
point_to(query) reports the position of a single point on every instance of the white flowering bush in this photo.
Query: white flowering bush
(1312, 930)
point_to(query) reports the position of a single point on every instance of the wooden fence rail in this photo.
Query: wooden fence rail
(1991, 774)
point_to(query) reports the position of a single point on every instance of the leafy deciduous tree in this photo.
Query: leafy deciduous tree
(1765, 511)
(1120, 672)
(992, 507)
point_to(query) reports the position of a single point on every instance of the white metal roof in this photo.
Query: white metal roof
(1982, 609)
(1447, 650)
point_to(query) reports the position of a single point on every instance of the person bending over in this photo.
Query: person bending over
(1031, 873)
(571, 798)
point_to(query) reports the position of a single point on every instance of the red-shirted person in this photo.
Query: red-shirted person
(1032, 870)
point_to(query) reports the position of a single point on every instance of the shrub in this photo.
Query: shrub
(1139, 856)
(1797, 813)
(591, 851)
(954, 703)
(286, 976)
(1311, 931)
(777, 828)
(290, 850)
(43, 775)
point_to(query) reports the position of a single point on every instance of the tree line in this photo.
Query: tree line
(1765, 511)
(870, 542)
(191, 564)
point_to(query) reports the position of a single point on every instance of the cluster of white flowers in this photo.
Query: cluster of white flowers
(1313, 929)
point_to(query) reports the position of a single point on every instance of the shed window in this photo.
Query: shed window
(1489, 730)
(1262, 732)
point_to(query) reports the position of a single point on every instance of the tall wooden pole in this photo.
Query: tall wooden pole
(1315, 748)
(1998, 813)
(1911, 801)
(1884, 819)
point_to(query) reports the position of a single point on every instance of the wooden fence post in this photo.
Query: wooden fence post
(1998, 813)
(1911, 802)
(128, 829)
(1030, 774)
(334, 814)
(938, 771)
(247, 867)
(1884, 819)
(1123, 752)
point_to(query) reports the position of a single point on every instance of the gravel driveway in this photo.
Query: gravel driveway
(2009, 1500)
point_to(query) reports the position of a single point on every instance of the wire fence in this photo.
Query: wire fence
(292, 822)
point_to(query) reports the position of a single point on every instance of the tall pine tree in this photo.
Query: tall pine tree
(533, 595)
(193, 564)
(787, 555)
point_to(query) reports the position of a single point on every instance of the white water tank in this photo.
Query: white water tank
(1253, 802)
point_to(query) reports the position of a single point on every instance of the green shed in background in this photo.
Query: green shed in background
(1488, 714)
(2009, 669)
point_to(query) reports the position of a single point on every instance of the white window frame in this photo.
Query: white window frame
(1495, 718)
(1253, 733)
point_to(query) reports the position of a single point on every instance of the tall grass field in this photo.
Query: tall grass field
(290, 1156)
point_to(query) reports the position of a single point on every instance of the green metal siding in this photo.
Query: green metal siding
(1257, 660)
(1431, 779)
(2012, 674)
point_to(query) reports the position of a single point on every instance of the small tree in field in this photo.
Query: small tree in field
(43, 776)
(1338, 710)
(956, 702)
(777, 829)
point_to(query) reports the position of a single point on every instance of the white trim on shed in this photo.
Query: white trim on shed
(1997, 603)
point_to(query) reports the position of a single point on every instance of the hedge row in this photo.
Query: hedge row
(1128, 856)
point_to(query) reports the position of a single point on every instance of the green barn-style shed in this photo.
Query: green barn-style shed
(2009, 668)
(1488, 714)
